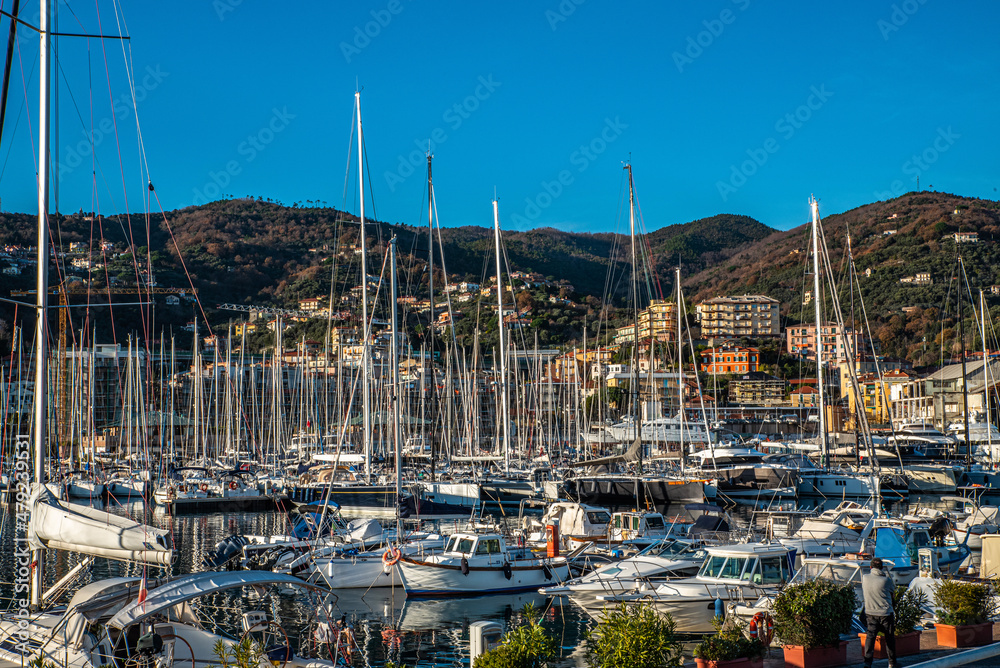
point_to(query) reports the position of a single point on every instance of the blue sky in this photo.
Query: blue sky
(725, 106)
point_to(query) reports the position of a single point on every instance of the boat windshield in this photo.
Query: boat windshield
(598, 516)
(729, 568)
(670, 548)
(460, 544)
(840, 573)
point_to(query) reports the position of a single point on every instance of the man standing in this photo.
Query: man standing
(878, 589)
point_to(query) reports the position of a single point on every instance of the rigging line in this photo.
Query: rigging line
(180, 256)
(17, 123)
(31, 134)
(7, 63)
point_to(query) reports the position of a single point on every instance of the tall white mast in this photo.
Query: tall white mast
(986, 376)
(818, 301)
(636, 408)
(505, 427)
(365, 355)
(41, 349)
(394, 356)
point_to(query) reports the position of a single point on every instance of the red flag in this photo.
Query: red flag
(142, 588)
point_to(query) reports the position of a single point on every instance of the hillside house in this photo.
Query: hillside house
(757, 389)
(309, 304)
(804, 397)
(726, 359)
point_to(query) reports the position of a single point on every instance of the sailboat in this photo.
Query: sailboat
(602, 488)
(823, 482)
(118, 620)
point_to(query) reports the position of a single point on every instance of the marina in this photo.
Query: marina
(242, 434)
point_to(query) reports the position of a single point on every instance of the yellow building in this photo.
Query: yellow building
(658, 321)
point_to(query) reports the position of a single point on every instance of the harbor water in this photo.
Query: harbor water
(384, 623)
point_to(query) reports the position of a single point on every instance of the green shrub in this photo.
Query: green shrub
(814, 613)
(908, 605)
(729, 642)
(961, 603)
(633, 637)
(525, 646)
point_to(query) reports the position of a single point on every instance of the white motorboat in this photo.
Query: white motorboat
(662, 561)
(473, 564)
(577, 523)
(729, 572)
(834, 532)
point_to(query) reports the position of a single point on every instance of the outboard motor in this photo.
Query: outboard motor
(226, 551)
(149, 644)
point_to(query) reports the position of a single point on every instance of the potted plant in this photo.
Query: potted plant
(527, 645)
(634, 636)
(729, 648)
(964, 613)
(908, 605)
(809, 618)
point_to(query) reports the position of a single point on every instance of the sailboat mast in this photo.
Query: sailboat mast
(394, 356)
(636, 408)
(817, 300)
(505, 427)
(365, 388)
(680, 365)
(430, 290)
(965, 376)
(41, 350)
(986, 377)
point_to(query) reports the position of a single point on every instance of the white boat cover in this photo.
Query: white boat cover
(193, 586)
(60, 525)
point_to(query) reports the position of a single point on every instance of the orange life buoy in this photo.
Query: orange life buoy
(762, 628)
(390, 556)
(203, 487)
(182, 488)
(233, 485)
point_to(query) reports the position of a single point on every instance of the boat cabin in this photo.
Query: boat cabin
(632, 524)
(469, 544)
(752, 563)
(578, 519)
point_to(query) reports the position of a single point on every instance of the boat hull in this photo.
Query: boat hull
(424, 578)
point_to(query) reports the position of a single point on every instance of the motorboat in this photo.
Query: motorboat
(474, 564)
(900, 541)
(729, 572)
(661, 561)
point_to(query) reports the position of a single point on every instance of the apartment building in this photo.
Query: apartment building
(748, 315)
(658, 321)
(729, 359)
(800, 341)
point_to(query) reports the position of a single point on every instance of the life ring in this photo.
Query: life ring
(390, 557)
(182, 488)
(233, 485)
(762, 628)
(203, 487)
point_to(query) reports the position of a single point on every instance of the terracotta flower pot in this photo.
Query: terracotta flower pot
(907, 644)
(970, 635)
(797, 656)
(731, 663)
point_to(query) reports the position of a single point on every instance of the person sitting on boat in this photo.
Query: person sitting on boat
(878, 588)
